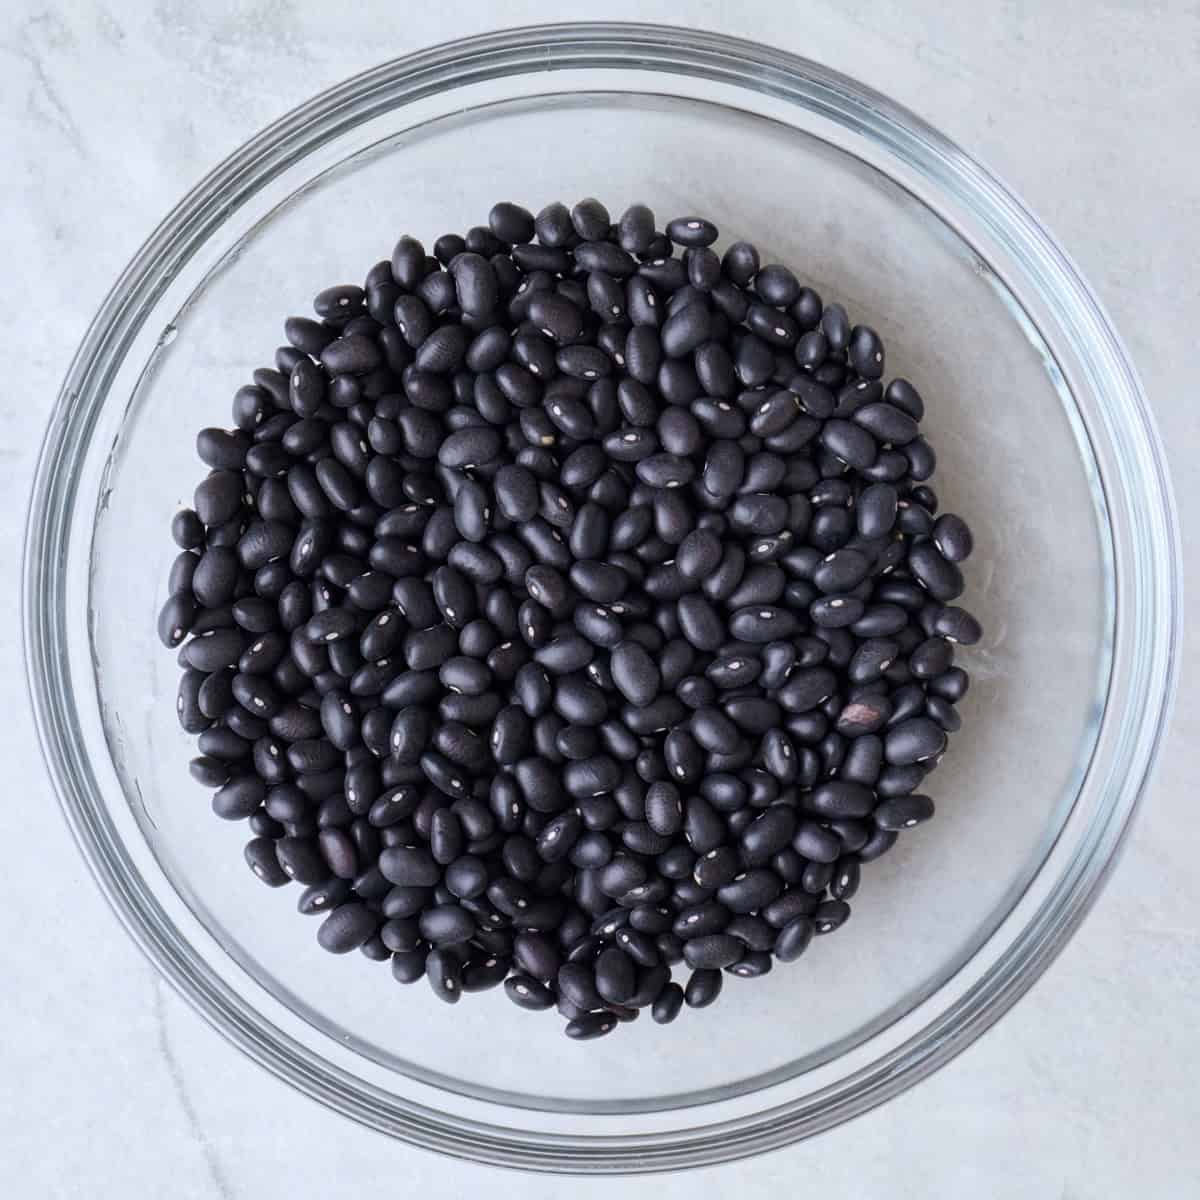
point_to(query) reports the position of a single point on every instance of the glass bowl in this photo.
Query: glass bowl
(1045, 445)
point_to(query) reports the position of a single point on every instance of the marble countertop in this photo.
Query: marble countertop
(110, 1086)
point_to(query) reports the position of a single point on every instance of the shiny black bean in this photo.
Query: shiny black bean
(805, 689)
(794, 938)
(446, 924)
(346, 928)
(849, 442)
(409, 867)
(740, 263)
(261, 859)
(915, 740)
(712, 952)
(668, 1004)
(886, 423)
(944, 713)
(692, 231)
(217, 500)
(767, 834)
(751, 891)
(773, 327)
(526, 992)
(953, 538)
(932, 657)
(616, 978)
(302, 860)
(951, 685)
(703, 987)
(703, 828)
(443, 969)
(754, 964)
(957, 626)
(591, 1025)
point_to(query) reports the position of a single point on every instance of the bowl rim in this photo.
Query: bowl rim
(602, 45)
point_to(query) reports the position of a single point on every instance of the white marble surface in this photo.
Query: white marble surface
(109, 1085)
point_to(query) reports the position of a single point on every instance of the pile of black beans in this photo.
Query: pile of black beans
(568, 605)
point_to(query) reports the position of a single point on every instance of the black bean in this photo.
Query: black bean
(302, 860)
(210, 772)
(526, 992)
(641, 948)
(339, 303)
(703, 987)
(180, 580)
(324, 896)
(686, 329)
(214, 650)
(591, 1025)
(692, 231)
(346, 928)
(903, 812)
(951, 685)
(409, 966)
(841, 798)
(815, 842)
(773, 327)
(831, 915)
(944, 713)
(576, 982)
(260, 858)
(794, 938)
(635, 229)
(217, 500)
(777, 285)
(886, 423)
(712, 952)
(222, 450)
(751, 891)
(175, 618)
(215, 579)
(484, 971)
(931, 657)
(915, 740)
(666, 1006)
(509, 223)
(740, 263)
(850, 443)
(616, 979)
(921, 458)
(445, 924)
(952, 537)
(754, 964)
(767, 834)
(444, 971)
(409, 866)
(957, 626)
(805, 689)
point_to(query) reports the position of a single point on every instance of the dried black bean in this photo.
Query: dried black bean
(526, 992)
(951, 685)
(916, 740)
(591, 1025)
(703, 987)
(713, 951)
(346, 928)
(502, 604)
(955, 625)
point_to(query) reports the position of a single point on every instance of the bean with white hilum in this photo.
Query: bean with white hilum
(568, 609)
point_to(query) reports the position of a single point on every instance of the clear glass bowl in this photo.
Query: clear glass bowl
(1045, 446)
